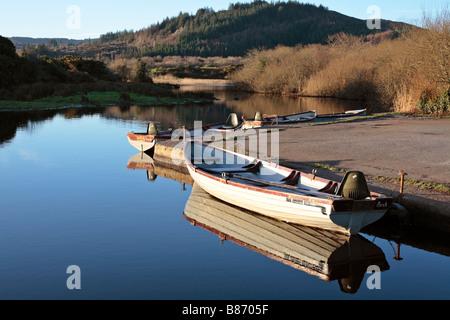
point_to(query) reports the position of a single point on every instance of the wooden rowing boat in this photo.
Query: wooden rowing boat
(285, 194)
(346, 114)
(327, 255)
(146, 141)
(291, 118)
(265, 120)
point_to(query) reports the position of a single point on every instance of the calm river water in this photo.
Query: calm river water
(67, 198)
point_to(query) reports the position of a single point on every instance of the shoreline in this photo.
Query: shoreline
(191, 81)
(98, 99)
(371, 146)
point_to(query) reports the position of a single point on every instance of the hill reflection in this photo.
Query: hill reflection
(176, 116)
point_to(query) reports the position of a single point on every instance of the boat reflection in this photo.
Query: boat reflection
(156, 167)
(143, 161)
(327, 255)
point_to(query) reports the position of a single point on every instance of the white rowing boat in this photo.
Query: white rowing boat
(346, 114)
(291, 118)
(265, 120)
(283, 193)
(146, 141)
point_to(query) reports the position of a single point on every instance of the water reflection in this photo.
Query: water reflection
(247, 103)
(331, 257)
(143, 161)
(327, 255)
(158, 168)
(176, 116)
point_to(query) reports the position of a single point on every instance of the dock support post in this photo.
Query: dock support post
(402, 180)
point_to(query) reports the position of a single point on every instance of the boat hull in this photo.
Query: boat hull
(291, 207)
(351, 113)
(276, 206)
(141, 142)
(292, 118)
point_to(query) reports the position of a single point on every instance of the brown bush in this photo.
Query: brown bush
(389, 73)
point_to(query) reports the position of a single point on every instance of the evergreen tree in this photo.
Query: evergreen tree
(141, 72)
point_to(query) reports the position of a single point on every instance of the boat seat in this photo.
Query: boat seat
(232, 122)
(330, 188)
(292, 179)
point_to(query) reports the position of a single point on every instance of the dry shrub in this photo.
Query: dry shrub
(390, 73)
(347, 76)
(427, 68)
(280, 70)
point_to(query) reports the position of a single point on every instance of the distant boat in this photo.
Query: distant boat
(260, 121)
(146, 141)
(327, 255)
(285, 194)
(291, 118)
(346, 114)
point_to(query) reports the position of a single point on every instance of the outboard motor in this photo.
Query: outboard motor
(151, 175)
(258, 116)
(354, 186)
(232, 122)
(152, 129)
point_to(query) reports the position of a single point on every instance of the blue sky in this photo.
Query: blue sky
(89, 19)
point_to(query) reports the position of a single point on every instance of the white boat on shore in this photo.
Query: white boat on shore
(285, 194)
(260, 121)
(346, 114)
(291, 118)
(146, 141)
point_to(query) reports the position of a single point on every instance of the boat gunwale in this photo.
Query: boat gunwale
(328, 199)
(167, 135)
(268, 119)
(349, 113)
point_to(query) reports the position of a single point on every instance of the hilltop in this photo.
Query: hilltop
(231, 32)
(22, 42)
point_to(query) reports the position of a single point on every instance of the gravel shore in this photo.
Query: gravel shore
(380, 146)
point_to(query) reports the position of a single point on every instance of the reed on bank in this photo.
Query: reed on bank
(402, 70)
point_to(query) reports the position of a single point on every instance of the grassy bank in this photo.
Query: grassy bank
(404, 71)
(434, 186)
(101, 99)
(416, 183)
(37, 82)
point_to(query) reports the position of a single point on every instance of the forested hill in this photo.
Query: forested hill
(234, 31)
(229, 32)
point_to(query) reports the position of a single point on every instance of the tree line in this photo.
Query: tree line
(232, 32)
